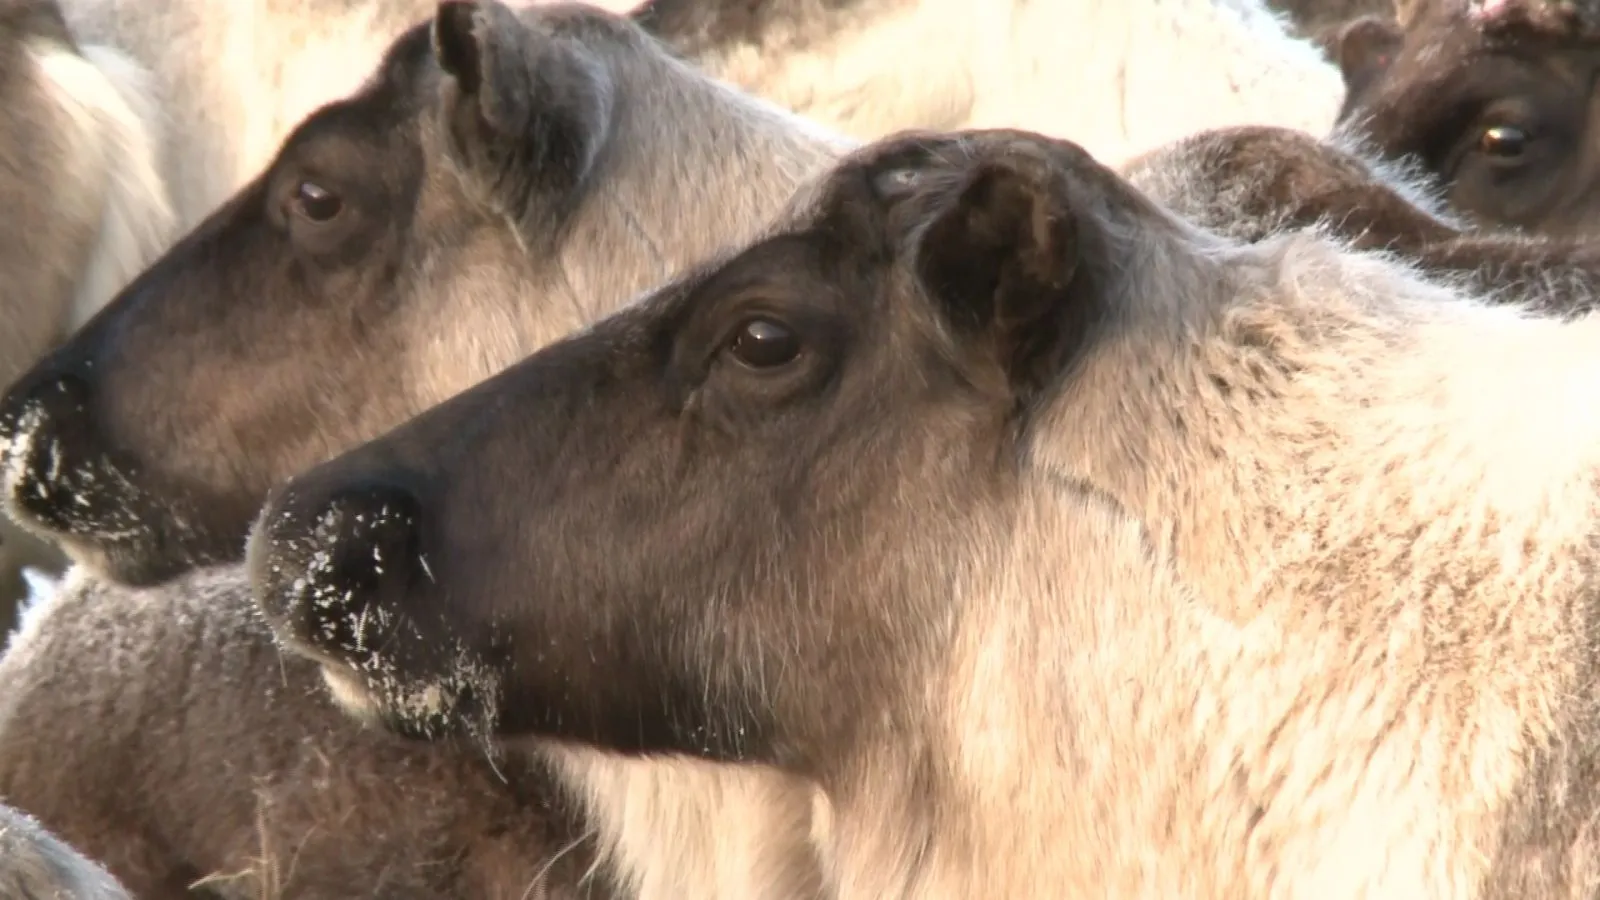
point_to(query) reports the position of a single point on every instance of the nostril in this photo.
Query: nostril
(369, 533)
(330, 561)
(45, 438)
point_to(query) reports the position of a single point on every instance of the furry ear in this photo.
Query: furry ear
(1003, 258)
(526, 111)
(1364, 48)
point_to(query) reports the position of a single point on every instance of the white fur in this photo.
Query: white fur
(1118, 76)
(138, 220)
(1328, 662)
(678, 827)
(113, 136)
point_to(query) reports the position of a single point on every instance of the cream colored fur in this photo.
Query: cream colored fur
(1118, 76)
(109, 209)
(233, 79)
(138, 220)
(1301, 579)
(110, 217)
(688, 828)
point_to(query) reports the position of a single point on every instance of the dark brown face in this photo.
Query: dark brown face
(1507, 121)
(679, 529)
(367, 274)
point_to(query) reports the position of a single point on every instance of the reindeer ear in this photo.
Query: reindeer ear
(524, 109)
(1003, 258)
(1364, 48)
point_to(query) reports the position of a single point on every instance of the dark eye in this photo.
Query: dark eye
(1503, 143)
(764, 344)
(316, 203)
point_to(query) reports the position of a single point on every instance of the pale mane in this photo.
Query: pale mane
(1294, 594)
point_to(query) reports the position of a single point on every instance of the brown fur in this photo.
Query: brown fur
(1072, 550)
(218, 762)
(35, 865)
(508, 179)
(1572, 18)
(1255, 182)
(1502, 117)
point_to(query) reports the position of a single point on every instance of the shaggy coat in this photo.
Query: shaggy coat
(1072, 550)
(161, 731)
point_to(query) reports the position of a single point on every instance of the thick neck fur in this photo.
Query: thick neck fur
(1298, 579)
(1013, 785)
(1323, 383)
(1359, 475)
(670, 827)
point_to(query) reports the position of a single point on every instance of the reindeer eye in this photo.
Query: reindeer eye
(315, 203)
(764, 344)
(1503, 143)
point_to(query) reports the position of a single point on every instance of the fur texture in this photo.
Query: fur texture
(126, 123)
(88, 208)
(160, 731)
(468, 227)
(1120, 77)
(144, 117)
(502, 180)
(1252, 183)
(240, 78)
(1070, 548)
(35, 865)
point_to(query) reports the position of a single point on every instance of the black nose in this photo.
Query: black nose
(46, 440)
(322, 561)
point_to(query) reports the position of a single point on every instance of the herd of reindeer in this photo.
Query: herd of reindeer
(799, 449)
